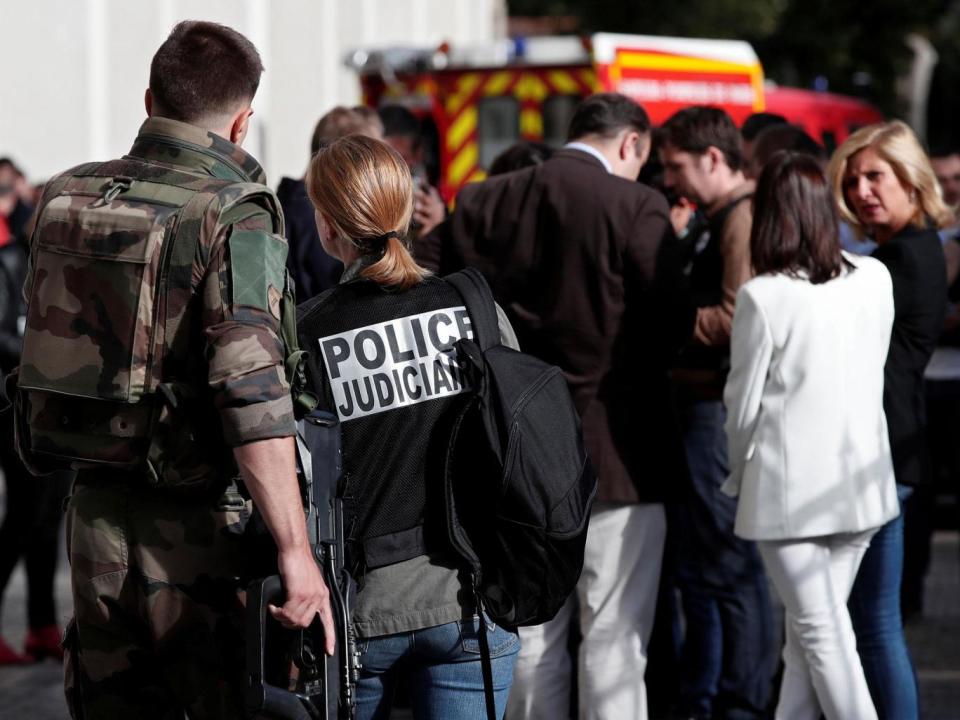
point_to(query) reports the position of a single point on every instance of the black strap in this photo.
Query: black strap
(719, 218)
(478, 298)
(485, 664)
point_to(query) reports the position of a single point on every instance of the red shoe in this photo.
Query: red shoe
(9, 656)
(43, 643)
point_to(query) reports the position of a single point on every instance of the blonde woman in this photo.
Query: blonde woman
(381, 357)
(885, 188)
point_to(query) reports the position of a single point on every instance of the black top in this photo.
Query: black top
(917, 266)
(383, 361)
(311, 268)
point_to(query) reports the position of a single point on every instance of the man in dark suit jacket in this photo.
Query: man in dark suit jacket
(583, 260)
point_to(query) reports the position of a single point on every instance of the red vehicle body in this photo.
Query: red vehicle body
(479, 101)
(827, 117)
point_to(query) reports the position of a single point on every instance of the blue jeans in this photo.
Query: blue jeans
(875, 610)
(702, 651)
(728, 655)
(443, 667)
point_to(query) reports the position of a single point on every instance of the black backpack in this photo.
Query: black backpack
(518, 482)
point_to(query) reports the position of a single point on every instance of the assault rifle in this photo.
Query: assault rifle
(325, 686)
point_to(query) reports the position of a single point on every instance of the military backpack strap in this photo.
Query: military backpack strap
(177, 270)
(178, 275)
(304, 401)
(176, 280)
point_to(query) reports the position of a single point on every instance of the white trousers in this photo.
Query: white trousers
(822, 670)
(617, 597)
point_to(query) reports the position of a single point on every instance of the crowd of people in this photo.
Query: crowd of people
(747, 357)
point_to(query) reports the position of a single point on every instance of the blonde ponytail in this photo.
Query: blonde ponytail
(364, 190)
(396, 268)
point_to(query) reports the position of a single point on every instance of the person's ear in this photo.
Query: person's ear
(643, 145)
(148, 102)
(628, 144)
(714, 157)
(324, 228)
(240, 125)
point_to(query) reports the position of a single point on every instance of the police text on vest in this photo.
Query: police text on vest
(397, 363)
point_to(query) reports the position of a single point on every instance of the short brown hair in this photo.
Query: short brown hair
(698, 128)
(203, 71)
(795, 224)
(364, 190)
(341, 121)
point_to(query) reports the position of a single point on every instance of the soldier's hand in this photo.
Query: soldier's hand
(307, 595)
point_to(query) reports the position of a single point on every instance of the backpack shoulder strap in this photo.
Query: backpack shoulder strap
(177, 275)
(478, 298)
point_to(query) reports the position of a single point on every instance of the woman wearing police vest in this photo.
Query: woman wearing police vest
(382, 358)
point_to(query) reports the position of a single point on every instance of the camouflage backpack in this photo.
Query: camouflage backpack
(106, 377)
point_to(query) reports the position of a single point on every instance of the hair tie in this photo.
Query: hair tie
(376, 243)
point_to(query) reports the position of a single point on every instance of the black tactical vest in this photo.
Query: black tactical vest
(384, 363)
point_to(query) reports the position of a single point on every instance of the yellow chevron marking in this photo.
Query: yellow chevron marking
(531, 87)
(461, 128)
(465, 87)
(562, 82)
(531, 123)
(589, 79)
(497, 83)
(463, 164)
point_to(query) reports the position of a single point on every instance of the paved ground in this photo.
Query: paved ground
(34, 692)
(935, 639)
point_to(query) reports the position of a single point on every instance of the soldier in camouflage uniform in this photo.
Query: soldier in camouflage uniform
(154, 362)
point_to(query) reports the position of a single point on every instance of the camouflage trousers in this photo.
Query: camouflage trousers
(158, 627)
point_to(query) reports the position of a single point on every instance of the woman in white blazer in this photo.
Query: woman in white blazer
(809, 449)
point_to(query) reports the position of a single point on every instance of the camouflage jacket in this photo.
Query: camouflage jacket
(229, 301)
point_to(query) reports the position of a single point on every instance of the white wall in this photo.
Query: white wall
(80, 67)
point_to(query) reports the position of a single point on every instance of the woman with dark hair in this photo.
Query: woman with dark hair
(885, 187)
(382, 358)
(809, 451)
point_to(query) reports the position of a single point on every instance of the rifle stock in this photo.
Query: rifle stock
(325, 688)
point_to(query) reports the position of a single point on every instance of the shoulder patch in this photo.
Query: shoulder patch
(257, 269)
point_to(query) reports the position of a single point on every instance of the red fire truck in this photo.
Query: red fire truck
(481, 100)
